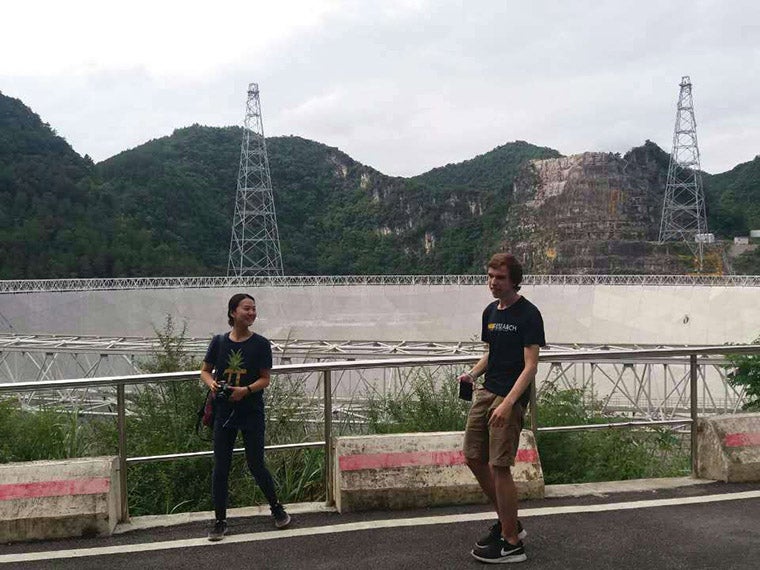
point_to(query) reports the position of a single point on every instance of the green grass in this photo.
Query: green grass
(49, 433)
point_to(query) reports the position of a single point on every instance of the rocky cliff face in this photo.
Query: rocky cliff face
(593, 213)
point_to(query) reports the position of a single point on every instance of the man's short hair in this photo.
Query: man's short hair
(514, 267)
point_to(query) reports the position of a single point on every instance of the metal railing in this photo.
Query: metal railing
(128, 283)
(327, 368)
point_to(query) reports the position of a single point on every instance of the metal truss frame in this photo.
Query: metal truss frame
(648, 389)
(132, 283)
(652, 388)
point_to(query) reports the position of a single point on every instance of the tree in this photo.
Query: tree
(745, 372)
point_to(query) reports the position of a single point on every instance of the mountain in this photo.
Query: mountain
(165, 207)
(733, 199)
(44, 191)
(733, 208)
(335, 215)
(594, 212)
(56, 217)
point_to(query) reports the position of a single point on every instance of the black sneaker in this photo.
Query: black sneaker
(494, 534)
(281, 518)
(501, 552)
(218, 531)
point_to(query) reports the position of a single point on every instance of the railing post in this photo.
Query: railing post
(533, 409)
(121, 420)
(694, 414)
(327, 385)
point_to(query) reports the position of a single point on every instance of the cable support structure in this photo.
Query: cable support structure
(224, 282)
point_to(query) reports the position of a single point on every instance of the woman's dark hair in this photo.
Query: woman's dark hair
(233, 304)
(513, 266)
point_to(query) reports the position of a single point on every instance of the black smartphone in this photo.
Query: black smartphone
(465, 391)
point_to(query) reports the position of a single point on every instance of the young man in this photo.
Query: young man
(513, 331)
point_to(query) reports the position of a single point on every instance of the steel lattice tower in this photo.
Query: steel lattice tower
(255, 242)
(683, 210)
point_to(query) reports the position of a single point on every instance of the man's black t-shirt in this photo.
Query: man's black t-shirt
(238, 364)
(507, 332)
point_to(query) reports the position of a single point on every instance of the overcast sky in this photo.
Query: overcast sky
(400, 85)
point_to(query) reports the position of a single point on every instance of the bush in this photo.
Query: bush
(428, 404)
(49, 433)
(601, 455)
(744, 372)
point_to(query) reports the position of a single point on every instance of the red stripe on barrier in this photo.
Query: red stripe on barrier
(391, 460)
(527, 456)
(416, 458)
(742, 439)
(84, 486)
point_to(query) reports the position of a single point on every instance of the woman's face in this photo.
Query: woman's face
(244, 313)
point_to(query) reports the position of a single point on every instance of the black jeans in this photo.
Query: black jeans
(225, 434)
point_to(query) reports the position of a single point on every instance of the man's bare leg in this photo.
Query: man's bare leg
(505, 493)
(482, 472)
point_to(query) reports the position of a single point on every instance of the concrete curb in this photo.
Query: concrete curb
(551, 491)
(158, 521)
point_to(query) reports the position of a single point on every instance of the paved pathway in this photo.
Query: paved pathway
(704, 526)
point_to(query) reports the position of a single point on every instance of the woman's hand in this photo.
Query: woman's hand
(238, 393)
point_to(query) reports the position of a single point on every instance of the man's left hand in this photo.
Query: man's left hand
(500, 415)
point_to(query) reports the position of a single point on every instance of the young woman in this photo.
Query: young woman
(237, 368)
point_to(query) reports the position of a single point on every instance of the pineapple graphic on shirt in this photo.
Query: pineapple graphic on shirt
(234, 370)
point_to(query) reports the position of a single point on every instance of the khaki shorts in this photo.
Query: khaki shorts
(495, 446)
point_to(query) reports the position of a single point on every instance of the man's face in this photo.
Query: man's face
(499, 282)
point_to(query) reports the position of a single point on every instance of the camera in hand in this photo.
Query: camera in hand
(223, 392)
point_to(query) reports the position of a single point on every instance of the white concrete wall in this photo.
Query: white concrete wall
(579, 314)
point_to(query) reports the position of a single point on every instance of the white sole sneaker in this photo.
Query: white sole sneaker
(283, 523)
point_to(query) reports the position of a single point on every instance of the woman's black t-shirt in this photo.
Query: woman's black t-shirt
(239, 364)
(507, 332)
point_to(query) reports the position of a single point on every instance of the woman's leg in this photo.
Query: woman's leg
(224, 443)
(253, 438)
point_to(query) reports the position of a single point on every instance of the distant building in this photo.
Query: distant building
(742, 240)
(704, 238)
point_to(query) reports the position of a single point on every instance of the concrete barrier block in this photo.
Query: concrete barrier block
(728, 448)
(419, 470)
(58, 499)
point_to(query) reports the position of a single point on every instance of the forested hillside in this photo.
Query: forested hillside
(165, 207)
(57, 219)
(335, 215)
(733, 199)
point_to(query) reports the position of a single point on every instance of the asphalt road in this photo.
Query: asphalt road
(665, 529)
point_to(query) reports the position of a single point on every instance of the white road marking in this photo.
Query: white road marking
(364, 525)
